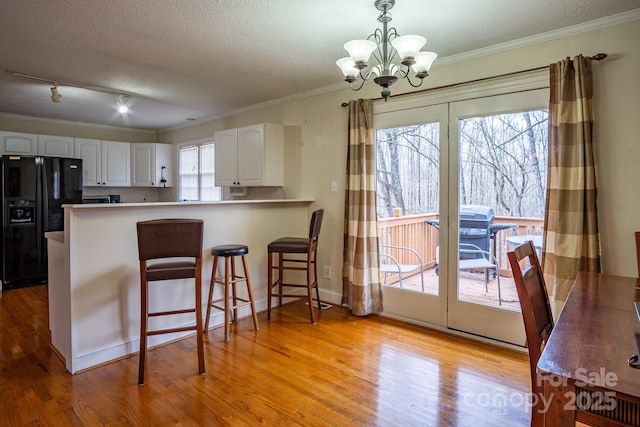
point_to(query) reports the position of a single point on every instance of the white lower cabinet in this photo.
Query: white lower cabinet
(151, 165)
(104, 163)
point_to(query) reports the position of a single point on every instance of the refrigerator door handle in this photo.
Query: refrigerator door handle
(44, 189)
(41, 208)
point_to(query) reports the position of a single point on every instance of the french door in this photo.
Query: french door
(414, 130)
(464, 184)
(496, 141)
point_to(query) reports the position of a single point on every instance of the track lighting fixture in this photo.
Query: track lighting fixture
(122, 107)
(55, 96)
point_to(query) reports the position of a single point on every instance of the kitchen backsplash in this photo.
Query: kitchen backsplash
(127, 194)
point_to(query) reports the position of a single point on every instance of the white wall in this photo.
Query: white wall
(323, 124)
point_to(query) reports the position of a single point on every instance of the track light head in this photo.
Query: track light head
(56, 98)
(122, 107)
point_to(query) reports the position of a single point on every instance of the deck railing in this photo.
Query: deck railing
(412, 231)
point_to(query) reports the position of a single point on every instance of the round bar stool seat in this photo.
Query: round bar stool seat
(229, 250)
(229, 279)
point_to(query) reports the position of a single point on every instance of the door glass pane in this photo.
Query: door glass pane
(408, 190)
(503, 170)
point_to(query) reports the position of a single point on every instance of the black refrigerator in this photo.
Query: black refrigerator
(34, 189)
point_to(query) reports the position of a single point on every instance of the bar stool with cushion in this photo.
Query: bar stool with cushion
(163, 239)
(229, 279)
(306, 249)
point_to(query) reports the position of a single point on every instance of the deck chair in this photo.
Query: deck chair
(482, 260)
(390, 264)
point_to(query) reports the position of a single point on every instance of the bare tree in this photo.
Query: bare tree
(502, 164)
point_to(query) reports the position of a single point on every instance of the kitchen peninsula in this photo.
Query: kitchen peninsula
(94, 284)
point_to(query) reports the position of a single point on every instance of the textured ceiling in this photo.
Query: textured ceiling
(199, 59)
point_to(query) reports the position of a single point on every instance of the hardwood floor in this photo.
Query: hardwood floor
(343, 371)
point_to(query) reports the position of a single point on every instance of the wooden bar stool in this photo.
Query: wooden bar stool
(164, 239)
(229, 279)
(306, 247)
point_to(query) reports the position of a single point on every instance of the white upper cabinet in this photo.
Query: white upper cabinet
(151, 165)
(56, 146)
(18, 143)
(104, 163)
(250, 156)
(226, 158)
(116, 167)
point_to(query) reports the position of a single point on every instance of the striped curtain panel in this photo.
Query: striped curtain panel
(361, 288)
(571, 239)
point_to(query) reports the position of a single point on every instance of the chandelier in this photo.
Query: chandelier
(385, 44)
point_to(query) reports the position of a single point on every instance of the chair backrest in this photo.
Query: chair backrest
(167, 238)
(315, 224)
(637, 233)
(534, 304)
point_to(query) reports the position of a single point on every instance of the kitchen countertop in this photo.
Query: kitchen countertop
(58, 236)
(167, 204)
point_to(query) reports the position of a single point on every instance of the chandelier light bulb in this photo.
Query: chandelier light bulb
(348, 68)
(408, 47)
(423, 63)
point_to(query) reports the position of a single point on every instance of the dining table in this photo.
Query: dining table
(589, 364)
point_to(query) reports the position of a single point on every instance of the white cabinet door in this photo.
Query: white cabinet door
(57, 146)
(143, 164)
(18, 143)
(89, 151)
(226, 158)
(104, 163)
(250, 155)
(151, 165)
(116, 169)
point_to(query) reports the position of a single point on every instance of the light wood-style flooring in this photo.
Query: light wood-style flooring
(343, 371)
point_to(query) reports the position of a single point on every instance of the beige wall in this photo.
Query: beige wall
(322, 125)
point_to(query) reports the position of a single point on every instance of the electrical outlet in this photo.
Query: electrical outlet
(327, 272)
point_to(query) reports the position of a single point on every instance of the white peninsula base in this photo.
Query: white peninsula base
(94, 289)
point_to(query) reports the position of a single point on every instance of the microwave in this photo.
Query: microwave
(96, 199)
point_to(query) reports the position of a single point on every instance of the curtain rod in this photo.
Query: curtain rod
(596, 57)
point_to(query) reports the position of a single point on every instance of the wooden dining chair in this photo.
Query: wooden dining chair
(536, 313)
(637, 233)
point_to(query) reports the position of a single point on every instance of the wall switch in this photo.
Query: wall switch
(327, 272)
(334, 187)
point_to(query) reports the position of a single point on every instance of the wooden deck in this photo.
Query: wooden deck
(472, 288)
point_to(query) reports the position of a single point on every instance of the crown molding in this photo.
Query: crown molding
(572, 30)
(79, 124)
